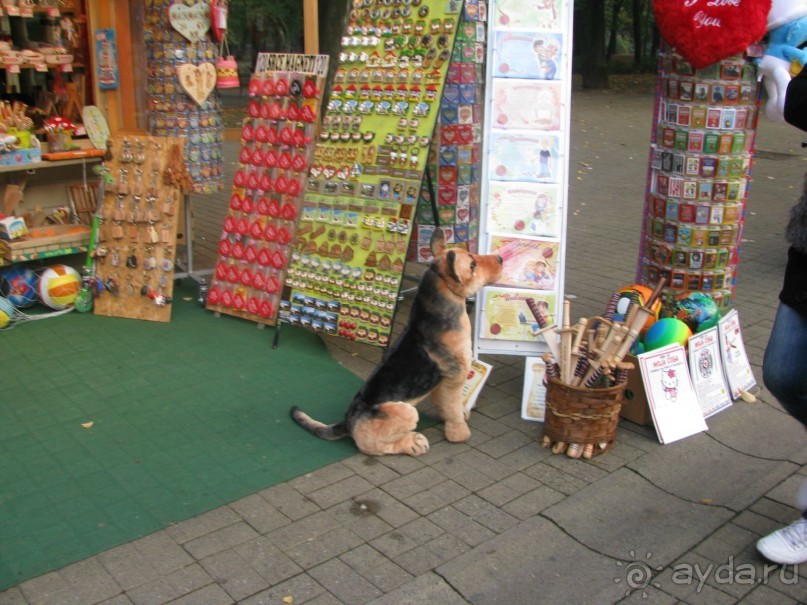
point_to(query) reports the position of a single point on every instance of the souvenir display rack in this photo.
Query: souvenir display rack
(701, 153)
(182, 98)
(277, 147)
(455, 158)
(525, 175)
(136, 253)
(360, 195)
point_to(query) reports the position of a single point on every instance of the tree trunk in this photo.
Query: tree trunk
(592, 43)
(638, 40)
(616, 7)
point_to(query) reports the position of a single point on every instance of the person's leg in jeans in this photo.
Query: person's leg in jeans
(784, 372)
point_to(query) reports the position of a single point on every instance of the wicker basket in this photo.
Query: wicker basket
(581, 415)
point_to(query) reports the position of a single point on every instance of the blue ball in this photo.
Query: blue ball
(18, 285)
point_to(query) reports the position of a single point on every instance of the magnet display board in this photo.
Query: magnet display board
(525, 173)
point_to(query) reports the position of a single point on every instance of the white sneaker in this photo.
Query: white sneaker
(787, 546)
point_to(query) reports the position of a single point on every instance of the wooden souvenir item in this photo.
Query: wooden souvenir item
(197, 80)
(190, 21)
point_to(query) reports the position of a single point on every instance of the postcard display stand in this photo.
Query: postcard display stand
(352, 239)
(523, 211)
(277, 144)
(136, 253)
(701, 153)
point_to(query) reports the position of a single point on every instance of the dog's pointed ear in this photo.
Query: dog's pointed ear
(438, 243)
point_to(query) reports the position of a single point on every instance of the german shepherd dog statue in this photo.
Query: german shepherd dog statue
(431, 357)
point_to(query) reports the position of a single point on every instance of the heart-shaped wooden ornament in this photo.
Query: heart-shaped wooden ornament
(705, 32)
(197, 80)
(190, 21)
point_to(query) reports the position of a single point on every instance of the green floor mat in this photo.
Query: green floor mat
(186, 416)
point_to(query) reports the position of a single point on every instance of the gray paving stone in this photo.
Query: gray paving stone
(428, 588)
(360, 516)
(486, 464)
(428, 556)
(371, 469)
(464, 474)
(127, 566)
(302, 588)
(436, 497)
(203, 524)
(375, 567)
(328, 475)
(344, 583)
(763, 595)
(209, 595)
(510, 488)
(90, 581)
(388, 509)
(261, 515)
(220, 539)
(171, 586)
(626, 513)
(162, 552)
(461, 525)
(403, 487)
(406, 537)
(505, 443)
(120, 599)
(289, 501)
(345, 489)
(265, 558)
(533, 502)
(555, 478)
(734, 480)
(232, 573)
(534, 562)
(322, 547)
(485, 513)
(303, 530)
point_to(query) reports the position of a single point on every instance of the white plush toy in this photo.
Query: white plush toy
(787, 30)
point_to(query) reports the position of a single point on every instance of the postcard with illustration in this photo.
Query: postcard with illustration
(527, 104)
(523, 209)
(528, 263)
(537, 55)
(525, 156)
(533, 396)
(517, 314)
(528, 14)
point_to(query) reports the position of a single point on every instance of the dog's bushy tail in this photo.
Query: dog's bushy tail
(315, 427)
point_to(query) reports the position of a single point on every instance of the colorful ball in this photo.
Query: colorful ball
(666, 331)
(6, 312)
(58, 286)
(18, 284)
(697, 310)
(633, 294)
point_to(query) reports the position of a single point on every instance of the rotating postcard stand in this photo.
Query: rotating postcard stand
(260, 228)
(358, 210)
(525, 175)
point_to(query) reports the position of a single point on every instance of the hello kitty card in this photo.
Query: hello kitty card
(671, 396)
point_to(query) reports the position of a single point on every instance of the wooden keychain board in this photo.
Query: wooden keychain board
(136, 254)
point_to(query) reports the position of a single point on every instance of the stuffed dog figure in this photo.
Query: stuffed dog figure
(431, 357)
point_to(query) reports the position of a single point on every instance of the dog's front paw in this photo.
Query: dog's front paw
(457, 432)
(420, 445)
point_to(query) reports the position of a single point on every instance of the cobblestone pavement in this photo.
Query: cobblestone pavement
(498, 519)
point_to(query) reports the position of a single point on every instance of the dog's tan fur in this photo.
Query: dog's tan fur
(431, 357)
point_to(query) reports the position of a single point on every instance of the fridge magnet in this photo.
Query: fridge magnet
(197, 80)
(106, 51)
(525, 156)
(190, 21)
(523, 209)
(670, 394)
(706, 371)
(528, 263)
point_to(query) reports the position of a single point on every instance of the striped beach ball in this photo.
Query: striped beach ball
(58, 286)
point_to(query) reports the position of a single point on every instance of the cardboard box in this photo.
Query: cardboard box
(13, 227)
(634, 405)
(47, 242)
(21, 157)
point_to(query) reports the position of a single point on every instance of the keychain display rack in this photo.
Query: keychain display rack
(277, 147)
(701, 154)
(136, 253)
(369, 162)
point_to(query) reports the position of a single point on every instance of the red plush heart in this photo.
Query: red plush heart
(705, 32)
